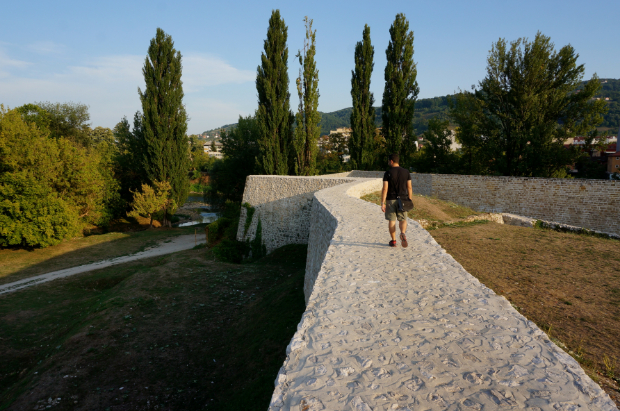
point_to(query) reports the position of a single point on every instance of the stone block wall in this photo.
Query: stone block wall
(591, 204)
(283, 204)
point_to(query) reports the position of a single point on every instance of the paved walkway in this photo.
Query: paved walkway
(410, 329)
(180, 243)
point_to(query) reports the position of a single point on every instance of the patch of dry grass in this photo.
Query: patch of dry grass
(430, 209)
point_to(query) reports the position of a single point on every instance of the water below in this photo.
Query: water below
(195, 198)
(207, 217)
(207, 213)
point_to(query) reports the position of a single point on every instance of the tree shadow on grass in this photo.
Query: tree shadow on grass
(20, 263)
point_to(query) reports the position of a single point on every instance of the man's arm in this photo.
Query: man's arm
(410, 190)
(384, 195)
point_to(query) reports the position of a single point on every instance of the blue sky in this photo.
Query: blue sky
(93, 52)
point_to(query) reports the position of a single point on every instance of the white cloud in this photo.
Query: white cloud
(46, 47)
(201, 70)
(8, 63)
(109, 86)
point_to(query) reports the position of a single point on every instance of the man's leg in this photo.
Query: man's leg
(403, 238)
(392, 228)
(403, 226)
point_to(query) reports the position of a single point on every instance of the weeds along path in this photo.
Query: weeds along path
(180, 243)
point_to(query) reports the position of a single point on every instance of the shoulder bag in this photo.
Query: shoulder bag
(404, 204)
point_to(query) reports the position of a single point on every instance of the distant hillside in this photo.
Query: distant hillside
(427, 108)
(611, 90)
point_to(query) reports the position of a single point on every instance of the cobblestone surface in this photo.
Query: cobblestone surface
(410, 329)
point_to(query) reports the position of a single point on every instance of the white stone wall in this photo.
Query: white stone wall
(283, 204)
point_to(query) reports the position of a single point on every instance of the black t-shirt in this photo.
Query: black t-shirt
(397, 177)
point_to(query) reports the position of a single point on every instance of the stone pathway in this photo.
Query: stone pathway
(410, 329)
(180, 243)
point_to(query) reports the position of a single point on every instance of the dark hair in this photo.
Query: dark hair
(394, 157)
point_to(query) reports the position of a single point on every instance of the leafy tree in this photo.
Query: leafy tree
(31, 214)
(518, 118)
(363, 113)
(400, 92)
(99, 135)
(70, 179)
(151, 200)
(32, 113)
(129, 163)
(436, 156)
(77, 174)
(274, 116)
(307, 128)
(68, 120)
(164, 120)
(241, 149)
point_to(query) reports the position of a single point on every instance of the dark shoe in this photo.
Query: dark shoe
(403, 240)
(393, 243)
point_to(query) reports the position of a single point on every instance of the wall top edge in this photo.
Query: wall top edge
(322, 177)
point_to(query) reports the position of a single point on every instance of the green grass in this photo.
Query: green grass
(158, 323)
(18, 263)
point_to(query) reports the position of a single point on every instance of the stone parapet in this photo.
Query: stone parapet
(591, 204)
(283, 204)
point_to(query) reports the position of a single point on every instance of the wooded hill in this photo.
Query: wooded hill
(427, 108)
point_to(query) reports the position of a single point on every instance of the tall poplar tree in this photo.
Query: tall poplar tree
(164, 121)
(400, 92)
(274, 116)
(308, 130)
(363, 114)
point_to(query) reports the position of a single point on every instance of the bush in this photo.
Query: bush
(32, 215)
(231, 251)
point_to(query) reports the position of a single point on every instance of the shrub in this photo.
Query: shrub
(231, 251)
(31, 214)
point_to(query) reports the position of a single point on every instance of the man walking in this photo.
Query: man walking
(396, 181)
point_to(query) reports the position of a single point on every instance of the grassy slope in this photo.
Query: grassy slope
(430, 209)
(20, 263)
(179, 332)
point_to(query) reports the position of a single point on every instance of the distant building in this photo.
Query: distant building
(613, 162)
(207, 147)
(345, 131)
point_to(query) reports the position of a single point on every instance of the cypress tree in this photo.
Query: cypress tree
(400, 92)
(164, 121)
(307, 131)
(274, 116)
(363, 114)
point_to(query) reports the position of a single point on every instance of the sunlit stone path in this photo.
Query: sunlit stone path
(410, 329)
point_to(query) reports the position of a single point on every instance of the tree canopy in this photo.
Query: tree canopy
(164, 120)
(361, 147)
(400, 92)
(274, 117)
(517, 119)
(307, 119)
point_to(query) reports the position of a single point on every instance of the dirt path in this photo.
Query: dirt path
(180, 243)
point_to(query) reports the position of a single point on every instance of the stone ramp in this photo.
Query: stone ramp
(410, 329)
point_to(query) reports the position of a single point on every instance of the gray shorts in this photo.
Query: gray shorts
(392, 213)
